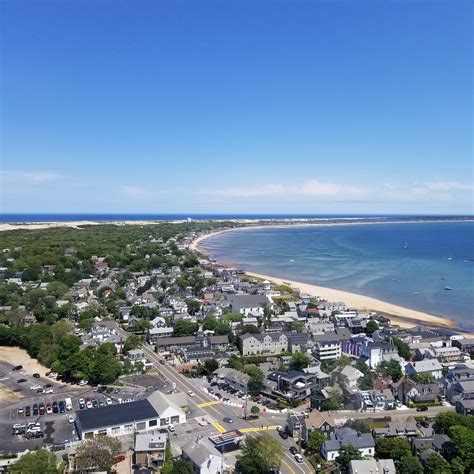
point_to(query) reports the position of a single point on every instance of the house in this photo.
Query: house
(425, 366)
(350, 375)
(318, 421)
(263, 344)
(439, 443)
(462, 390)
(127, 418)
(204, 457)
(218, 343)
(407, 429)
(382, 466)
(364, 442)
(156, 332)
(374, 353)
(166, 344)
(465, 345)
(327, 349)
(233, 378)
(294, 385)
(465, 407)
(250, 304)
(149, 451)
(376, 400)
(408, 391)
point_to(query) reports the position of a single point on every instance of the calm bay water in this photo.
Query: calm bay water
(367, 259)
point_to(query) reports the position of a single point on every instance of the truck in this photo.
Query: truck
(68, 403)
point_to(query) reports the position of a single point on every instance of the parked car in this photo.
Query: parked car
(70, 419)
(62, 407)
(48, 385)
(27, 410)
(49, 408)
(228, 419)
(42, 409)
(423, 408)
(109, 401)
(293, 450)
(282, 432)
(21, 380)
(191, 393)
(95, 403)
(88, 403)
(36, 376)
(20, 411)
(171, 428)
(299, 458)
(17, 367)
(55, 407)
(35, 410)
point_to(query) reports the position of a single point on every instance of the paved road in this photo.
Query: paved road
(394, 414)
(215, 412)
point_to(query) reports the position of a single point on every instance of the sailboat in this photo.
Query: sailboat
(450, 257)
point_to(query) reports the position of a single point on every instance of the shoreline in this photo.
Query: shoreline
(400, 315)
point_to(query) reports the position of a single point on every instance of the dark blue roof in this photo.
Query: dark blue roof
(115, 415)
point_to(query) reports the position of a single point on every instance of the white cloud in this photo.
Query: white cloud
(138, 192)
(306, 189)
(36, 177)
(329, 191)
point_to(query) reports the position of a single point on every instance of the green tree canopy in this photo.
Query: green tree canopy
(462, 439)
(371, 327)
(132, 342)
(182, 467)
(34, 462)
(97, 453)
(392, 448)
(391, 369)
(259, 455)
(299, 360)
(436, 464)
(403, 348)
(348, 453)
(315, 441)
(410, 465)
(184, 327)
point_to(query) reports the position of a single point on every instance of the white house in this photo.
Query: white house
(205, 458)
(425, 366)
(364, 442)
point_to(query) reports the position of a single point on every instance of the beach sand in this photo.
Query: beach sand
(404, 317)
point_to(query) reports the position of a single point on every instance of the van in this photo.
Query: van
(68, 402)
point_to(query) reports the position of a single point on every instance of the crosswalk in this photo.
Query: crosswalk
(208, 404)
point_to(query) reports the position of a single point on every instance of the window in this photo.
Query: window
(175, 419)
(116, 430)
(128, 428)
(102, 433)
(163, 421)
(153, 423)
(141, 425)
(89, 434)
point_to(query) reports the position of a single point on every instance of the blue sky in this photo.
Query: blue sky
(240, 107)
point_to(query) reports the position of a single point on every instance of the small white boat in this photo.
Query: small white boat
(443, 278)
(447, 288)
(291, 260)
(450, 258)
(405, 246)
(416, 293)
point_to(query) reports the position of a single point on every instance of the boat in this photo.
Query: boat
(447, 288)
(443, 278)
(405, 246)
(450, 258)
(416, 293)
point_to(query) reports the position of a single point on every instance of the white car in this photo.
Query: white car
(109, 401)
(36, 387)
(171, 428)
(191, 393)
(299, 458)
(48, 390)
(83, 382)
(70, 419)
(89, 404)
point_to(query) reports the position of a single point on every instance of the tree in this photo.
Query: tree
(436, 464)
(97, 453)
(348, 453)
(267, 314)
(334, 402)
(299, 360)
(392, 448)
(209, 366)
(371, 327)
(182, 467)
(297, 326)
(423, 378)
(68, 345)
(107, 348)
(444, 421)
(249, 329)
(403, 348)
(40, 460)
(391, 369)
(255, 410)
(193, 306)
(209, 323)
(256, 378)
(260, 455)
(315, 441)
(168, 465)
(105, 369)
(462, 439)
(184, 327)
(410, 465)
(132, 342)
(358, 425)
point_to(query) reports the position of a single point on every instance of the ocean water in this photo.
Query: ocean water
(367, 259)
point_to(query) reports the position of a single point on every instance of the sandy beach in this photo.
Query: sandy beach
(404, 317)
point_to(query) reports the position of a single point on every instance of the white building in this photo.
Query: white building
(327, 350)
(425, 366)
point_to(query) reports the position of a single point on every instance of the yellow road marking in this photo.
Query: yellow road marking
(169, 372)
(208, 404)
(288, 466)
(258, 428)
(219, 427)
